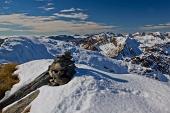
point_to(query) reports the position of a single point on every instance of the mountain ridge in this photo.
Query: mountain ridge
(108, 74)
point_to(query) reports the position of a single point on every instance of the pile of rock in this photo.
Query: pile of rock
(62, 70)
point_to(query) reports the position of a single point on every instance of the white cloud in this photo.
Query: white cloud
(48, 7)
(70, 10)
(50, 4)
(73, 13)
(80, 15)
(49, 24)
(156, 27)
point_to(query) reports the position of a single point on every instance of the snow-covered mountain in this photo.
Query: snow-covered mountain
(107, 76)
(96, 91)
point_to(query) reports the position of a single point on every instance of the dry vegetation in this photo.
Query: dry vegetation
(7, 79)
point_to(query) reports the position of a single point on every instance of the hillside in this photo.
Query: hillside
(114, 73)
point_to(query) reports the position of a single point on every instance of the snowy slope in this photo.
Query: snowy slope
(27, 73)
(23, 49)
(101, 84)
(96, 91)
(131, 49)
(150, 40)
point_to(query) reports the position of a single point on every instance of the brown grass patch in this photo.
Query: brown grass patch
(7, 79)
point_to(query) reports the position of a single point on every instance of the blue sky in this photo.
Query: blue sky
(51, 17)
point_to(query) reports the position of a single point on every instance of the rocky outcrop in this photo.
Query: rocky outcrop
(121, 47)
(92, 42)
(21, 105)
(89, 46)
(154, 62)
(62, 70)
(114, 46)
(163, 49)
(131, 49)
(157, 63)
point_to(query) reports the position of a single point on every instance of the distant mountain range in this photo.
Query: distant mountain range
(115, 73)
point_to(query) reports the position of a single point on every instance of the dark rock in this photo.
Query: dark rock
(135, 60)
(145, 63)
(64, 38)
(1, 41)
(143, 34)
(20, 106)
(158, 63)
(62, 70)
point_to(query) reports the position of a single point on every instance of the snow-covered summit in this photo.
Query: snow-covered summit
(95, 91)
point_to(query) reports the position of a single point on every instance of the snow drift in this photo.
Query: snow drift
(96, 91)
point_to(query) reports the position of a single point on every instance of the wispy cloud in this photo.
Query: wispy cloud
(72, 13)
(49, 24)
(80, 16)
(156, 26)
(48, 7)
(71, 10)
(50, 4)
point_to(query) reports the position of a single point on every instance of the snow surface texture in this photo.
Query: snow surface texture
(24, 49)
(101, 85)
(131, 49)
(149, 40)
(96, 91)
(21, 49)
